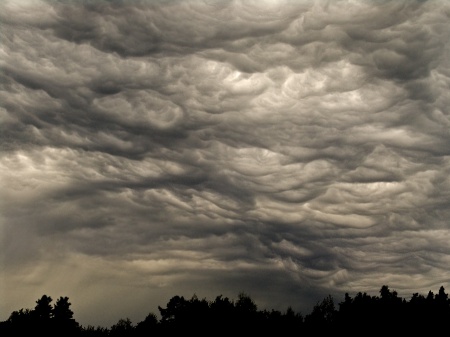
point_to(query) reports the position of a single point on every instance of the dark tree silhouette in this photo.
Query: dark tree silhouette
(43, 309)
(292, 320)
(323, 315)
(181, 315)
(124, 327)
(246, 317)
(441, 308)
(91, 331)
(61, 310)
(63, 321)
(245, 304)
(20, 323)
(222, 313)
(174, 309)
(42, 315)
(148, 326)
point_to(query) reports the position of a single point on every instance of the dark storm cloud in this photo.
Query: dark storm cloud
(144, 28)
(287, 149)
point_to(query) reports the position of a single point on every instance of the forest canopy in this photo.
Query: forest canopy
(203, 317)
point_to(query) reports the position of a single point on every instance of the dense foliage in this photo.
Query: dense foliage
(386, 313)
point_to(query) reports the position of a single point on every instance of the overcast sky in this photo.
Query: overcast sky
(284, 149)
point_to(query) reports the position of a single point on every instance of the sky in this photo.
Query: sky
(288, 150)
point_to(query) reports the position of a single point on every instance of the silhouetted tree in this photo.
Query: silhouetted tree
(149, 326)
(181, 315)
(61, 310)
(246, 313)
(63, 321)
(19, 323)
(42, 315)
(274, 322)
(43, 309)
(174, 308)
(245, 304)
(23, 316)
(222, 313)
(345, 312)
(388, 311)
(91, 331)
(441, 308)
(197, 315)
(122, 328)
(441, 298)
(322, 317)
(292, 320)
(173, 316)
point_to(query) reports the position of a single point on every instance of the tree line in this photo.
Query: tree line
(386, 313)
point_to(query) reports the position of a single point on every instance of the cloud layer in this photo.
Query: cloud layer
(286, 149)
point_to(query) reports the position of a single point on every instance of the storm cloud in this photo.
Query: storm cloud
(285, 149)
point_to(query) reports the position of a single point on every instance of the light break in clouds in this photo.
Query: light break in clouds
(284, 149)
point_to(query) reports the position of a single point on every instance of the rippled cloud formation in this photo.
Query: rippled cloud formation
(284, 149)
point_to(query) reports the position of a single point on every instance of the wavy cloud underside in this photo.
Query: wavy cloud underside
(286, 149)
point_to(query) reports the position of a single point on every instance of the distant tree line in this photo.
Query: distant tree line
(363, 314)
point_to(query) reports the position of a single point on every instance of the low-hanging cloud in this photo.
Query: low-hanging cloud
(288, 149)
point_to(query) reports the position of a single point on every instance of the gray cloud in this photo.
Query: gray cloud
(288, 149)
